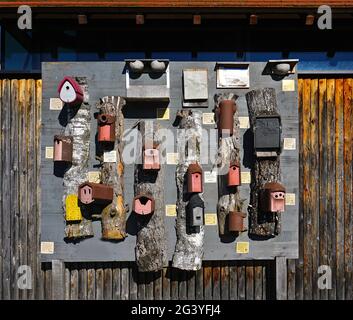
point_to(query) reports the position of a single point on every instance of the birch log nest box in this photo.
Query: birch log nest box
(106, 128)
(225, 112)
(70, 92)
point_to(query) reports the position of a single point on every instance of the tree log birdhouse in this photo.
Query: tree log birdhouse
(195, 211)
(89, 192)
(236, 221)
(106, 128)
(63, 148)
(194, 177)
(267, 136)
(225, 112)
(151, 158)
(272, 197)
(70, 92)
(143, 204)
(234, 175)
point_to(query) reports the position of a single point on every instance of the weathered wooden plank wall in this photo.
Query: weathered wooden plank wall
(325, 107)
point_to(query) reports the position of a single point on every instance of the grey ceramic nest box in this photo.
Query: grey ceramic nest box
(281, 67)
(147, 79)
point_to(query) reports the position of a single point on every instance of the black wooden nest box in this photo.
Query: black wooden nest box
(267, 136)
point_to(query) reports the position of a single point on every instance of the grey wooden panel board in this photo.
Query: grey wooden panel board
(107, 78)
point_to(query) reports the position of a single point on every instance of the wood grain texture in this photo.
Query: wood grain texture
(334, 210)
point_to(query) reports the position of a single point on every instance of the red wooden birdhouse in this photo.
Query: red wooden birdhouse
(106, 128)
(70, 92)
(234, 175)
(151, 158)
(63, 148)
(272, 197)
(89, 192)
(225, 112)
(143, 204)
(194, 176)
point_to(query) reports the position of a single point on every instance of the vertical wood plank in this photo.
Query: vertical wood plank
(91, 283)
(166, 283)
(38, 104)
(335, 152)
(133, 281)
(340, 192)
(83, 277)
(67, 283)
(23, 109)
(58, 280)
(281, 278)
(314, 186)
(207, 281)
(158, 285)
(241, 282)
(6, 187)
(299, 265)
(74, 286)
(141, 286)
(216, 280)
(348, 196)
(233, 282)
(199, 284)
(323, 205)
(225, 280)
(116, 283)
(308, 262)
(258, 281)
(174, 283)
(108, 283)
(124, 281)
(14, 192)
(291, 279)
(31, 173)
(182, 285)
(99, 283)
(249, 271)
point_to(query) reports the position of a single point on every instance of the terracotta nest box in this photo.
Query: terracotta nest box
(195, 211)
(236, 221)
(70, 92)
(267, 136)
(63, 146)
(89, 192)
(272, 197)
(143, 204)
(225, 112)
(151, 158)
(234, 178)
(194, 177)
(106, 128)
